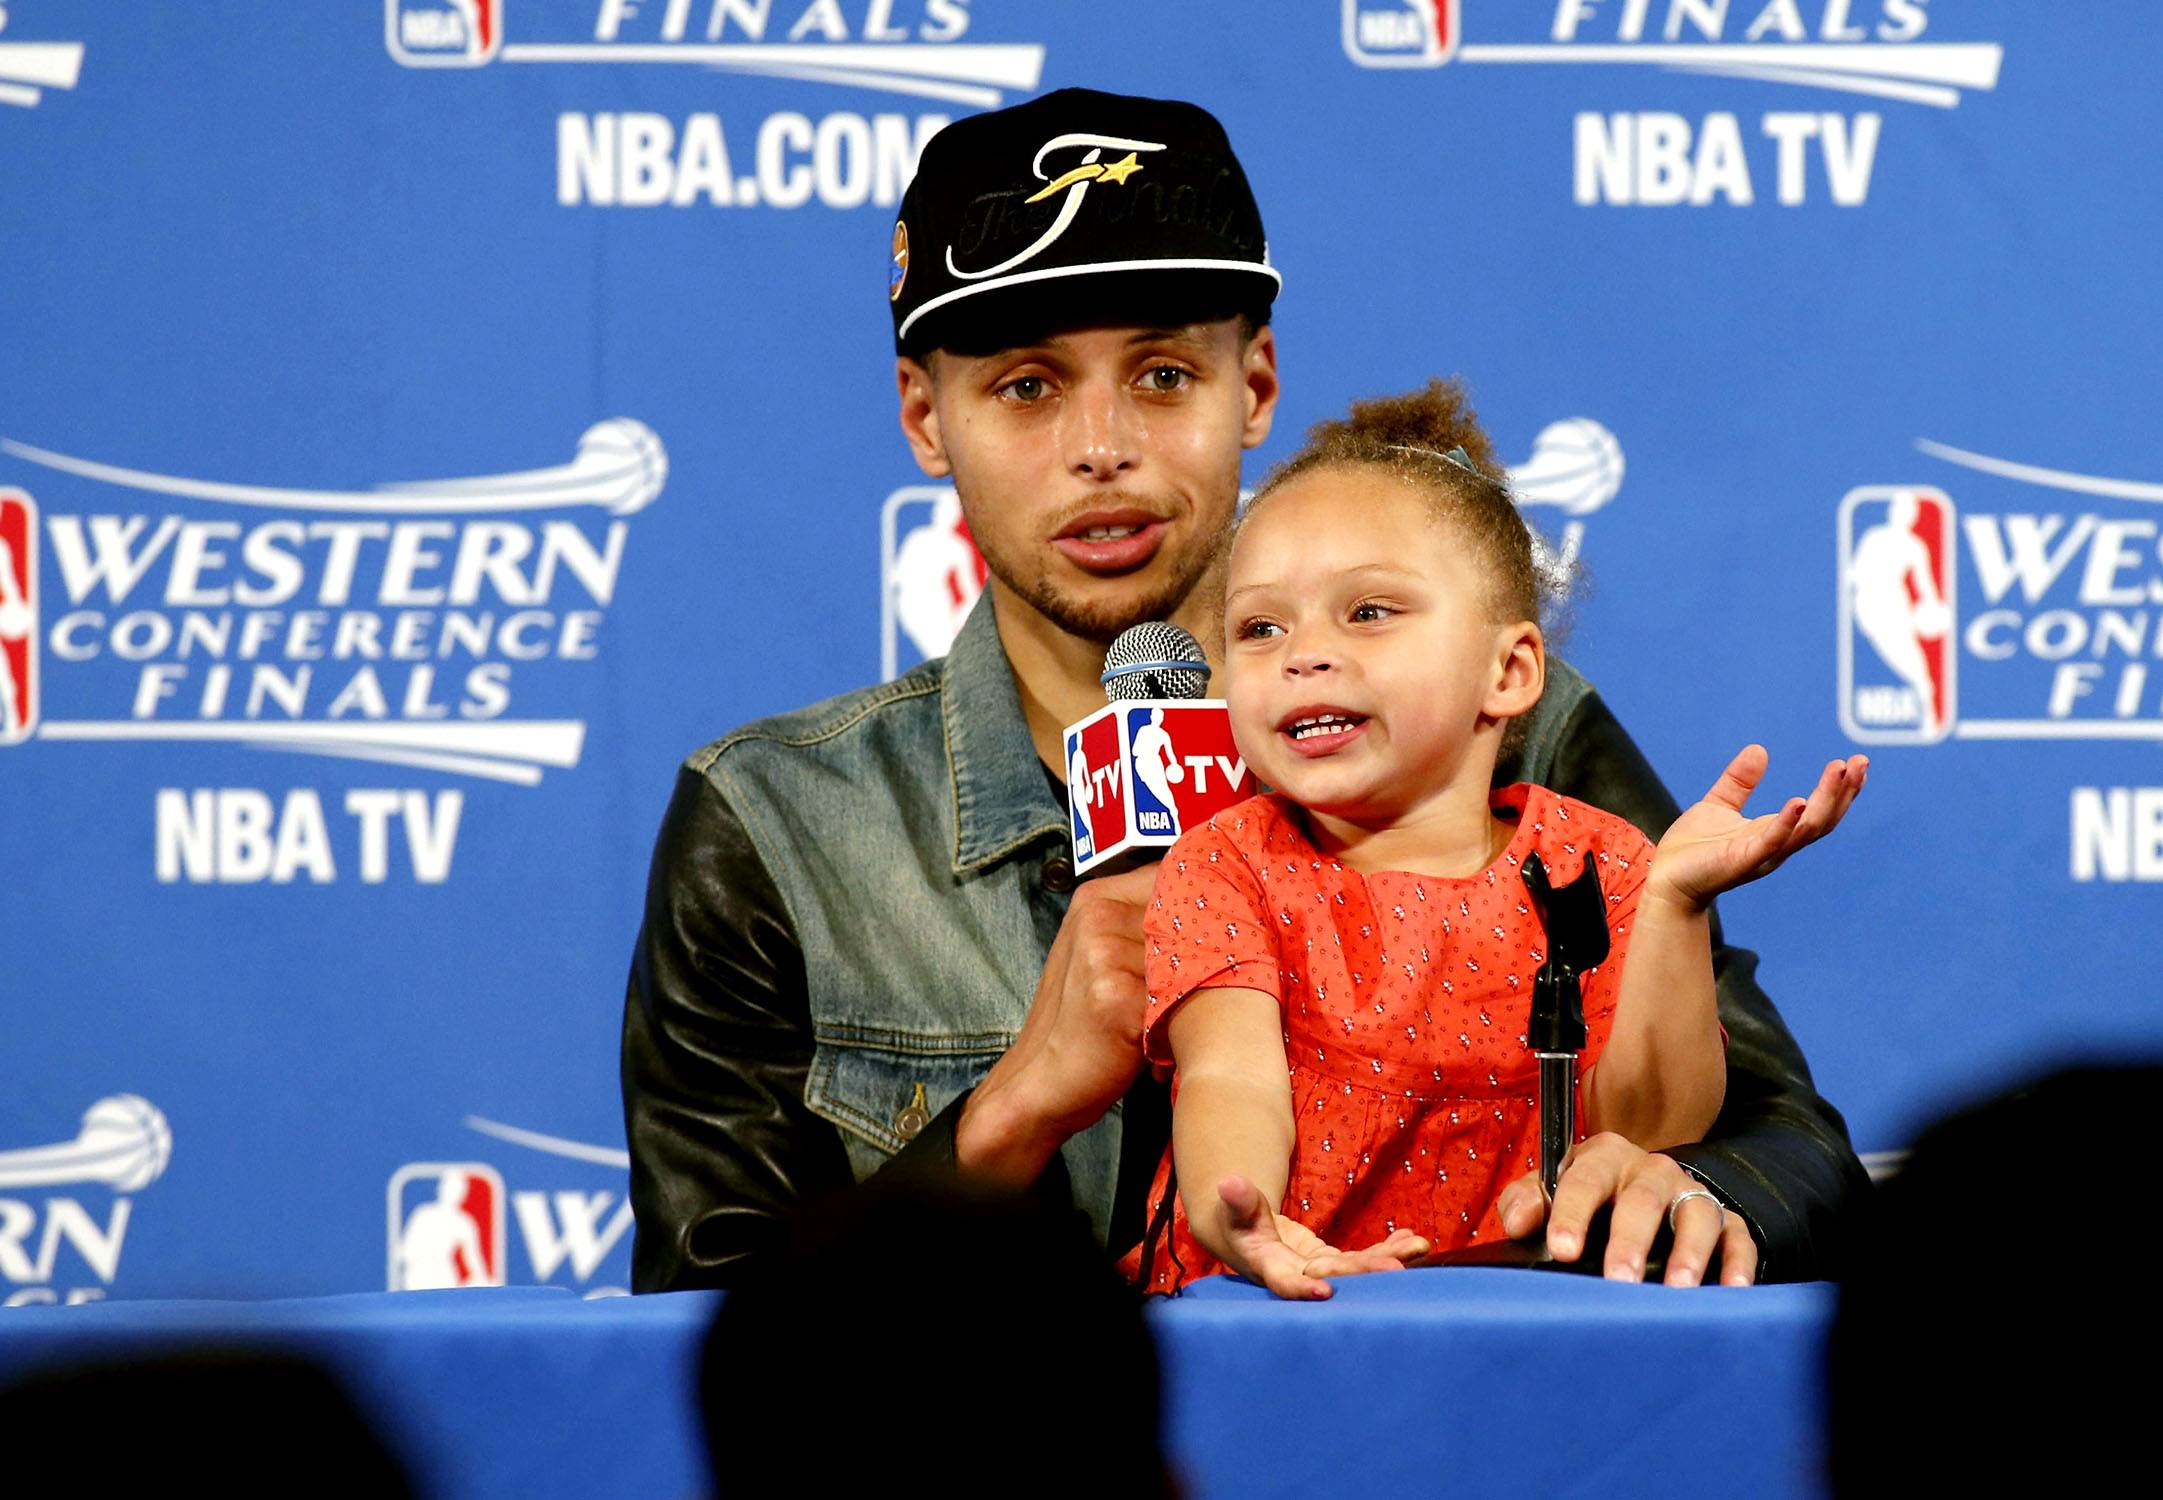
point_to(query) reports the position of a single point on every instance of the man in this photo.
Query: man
(863, 952)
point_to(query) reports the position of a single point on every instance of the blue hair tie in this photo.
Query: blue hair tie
(1456, 455)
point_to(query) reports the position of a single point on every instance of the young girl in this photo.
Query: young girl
(1341, 970)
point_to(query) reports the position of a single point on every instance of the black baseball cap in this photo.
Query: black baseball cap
(1077, 207)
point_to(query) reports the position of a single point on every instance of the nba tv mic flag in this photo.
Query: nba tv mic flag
(1158, 760)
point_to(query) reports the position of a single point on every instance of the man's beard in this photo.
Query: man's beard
(1102, 621)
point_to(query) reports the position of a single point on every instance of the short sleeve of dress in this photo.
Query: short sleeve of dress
(1204, 930)
(1624, 858)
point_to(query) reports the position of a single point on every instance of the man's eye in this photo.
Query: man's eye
(1167, 378)
(1255, 630)
(1027, 388)
(1369, 613)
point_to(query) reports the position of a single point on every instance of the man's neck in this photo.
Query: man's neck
(1057, 674)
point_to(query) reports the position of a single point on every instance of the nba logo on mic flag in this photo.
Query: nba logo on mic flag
(1897, 615)
(1141, 774)
(1096, 787)
(446, 1226)
(1186, 768)
(18, 616)
(443, 33)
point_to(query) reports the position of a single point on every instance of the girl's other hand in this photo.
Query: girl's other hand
(1713, 848)
(1290, 1259)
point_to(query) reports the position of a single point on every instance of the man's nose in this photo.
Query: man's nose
(1308, 663)
(1103, 437)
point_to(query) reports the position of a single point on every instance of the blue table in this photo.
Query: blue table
(1409, 1384)
(1420, 1383)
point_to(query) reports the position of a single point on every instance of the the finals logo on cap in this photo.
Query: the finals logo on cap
(1075, 184)
(1068, 189)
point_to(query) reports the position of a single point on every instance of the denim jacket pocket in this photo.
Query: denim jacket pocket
(881, 1095)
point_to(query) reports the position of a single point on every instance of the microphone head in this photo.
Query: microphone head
(1155, 660)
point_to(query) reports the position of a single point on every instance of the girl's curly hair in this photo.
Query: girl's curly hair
(1431, 440)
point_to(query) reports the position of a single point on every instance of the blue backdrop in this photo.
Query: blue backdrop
(423, 423)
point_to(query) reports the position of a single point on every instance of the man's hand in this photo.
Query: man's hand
(1080, 1045)
(1290, 1259)
(1712, 847)
(1642, 1185)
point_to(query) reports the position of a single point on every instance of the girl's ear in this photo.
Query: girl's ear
(1520, 670)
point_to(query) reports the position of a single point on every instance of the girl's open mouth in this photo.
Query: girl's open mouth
(1317, 732)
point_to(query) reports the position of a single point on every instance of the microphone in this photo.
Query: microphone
(1157, 760)
(1154, 660)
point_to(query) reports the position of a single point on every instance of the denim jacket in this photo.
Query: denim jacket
(908, 828)
(847, 918)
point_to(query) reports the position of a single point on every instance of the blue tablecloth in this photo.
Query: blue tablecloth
(1410, 1384)
(1423, 1382)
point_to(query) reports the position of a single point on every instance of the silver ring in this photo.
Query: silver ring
(1684, 1197)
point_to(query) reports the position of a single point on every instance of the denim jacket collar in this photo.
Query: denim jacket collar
(1002, 801)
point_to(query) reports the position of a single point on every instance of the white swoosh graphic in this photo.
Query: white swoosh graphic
(28, 68)
(554, 1145)
(1920, 72)
(620, 466)
(500, 749)
(1016, 65)
(2057, 479)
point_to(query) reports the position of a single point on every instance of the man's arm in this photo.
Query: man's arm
(1778, 1153)
(716, 1048)
(1079, 1047)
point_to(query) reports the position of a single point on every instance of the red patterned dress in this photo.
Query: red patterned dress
(1405, 1000)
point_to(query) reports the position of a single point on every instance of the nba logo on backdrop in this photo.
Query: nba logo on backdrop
(446, 1226)
(1409, 34)
(443, 33)
(455, 1223)
(1897, 646)
(18, 616)
(930, 574)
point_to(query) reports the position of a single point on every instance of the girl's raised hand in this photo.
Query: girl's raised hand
(1712, 847)
(1290, 1259)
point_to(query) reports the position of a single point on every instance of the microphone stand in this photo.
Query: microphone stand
(1575, 919)
(1576, 922)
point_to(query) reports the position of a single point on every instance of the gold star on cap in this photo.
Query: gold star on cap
(1120, 171)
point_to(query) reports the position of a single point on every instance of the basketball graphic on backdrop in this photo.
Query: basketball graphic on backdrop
(627, 458)
(129, 1138)
(1576, 464)
(124, 1142)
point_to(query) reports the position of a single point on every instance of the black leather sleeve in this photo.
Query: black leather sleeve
(1778, 1153)
(717, 1045)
